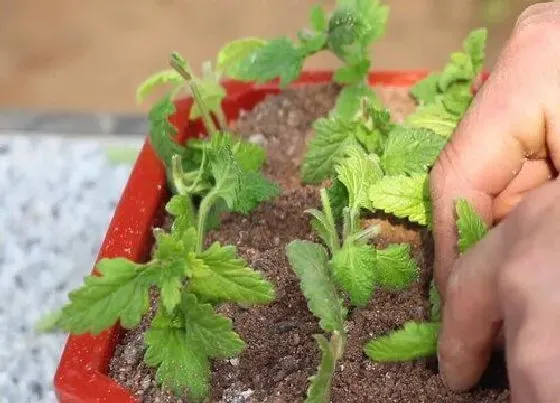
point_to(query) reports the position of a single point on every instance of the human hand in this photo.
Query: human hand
(506, 147)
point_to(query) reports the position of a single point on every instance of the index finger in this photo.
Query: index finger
(504, 126)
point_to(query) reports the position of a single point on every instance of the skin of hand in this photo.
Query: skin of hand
(504, 159)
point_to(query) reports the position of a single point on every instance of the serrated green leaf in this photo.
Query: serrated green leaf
(182, 210)
(434, 117)
(404, 196)
(312, 42)
(278, 58)
(354, 25)
(212, 94)
(414, 341)
(181, 346)
(318, 18)
(396, 268)
(332, 137)
(460, 68)
(354, 269)
(339, 198)
(352, 74)
(319, 390)
(254, 188)
(179, 365)
(375, 16)
(120, 293)
(233, 54)
(457, 98)
(224, 276)
(435, 302)
(309, 262)
(242, 190)
(475, 46)
(250, 157)
(349, 101)
(358, 172)
(162, 131)
(155, 80)
(425, 91)
(411, 150)
(206, 329)
(470, 225)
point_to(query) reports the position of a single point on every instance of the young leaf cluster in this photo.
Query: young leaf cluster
(398, 159)
(419, 340)
(347, 265)
(444, 97)
(187, 332)
(347, 33)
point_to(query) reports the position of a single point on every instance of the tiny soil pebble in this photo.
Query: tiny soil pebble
(281, 353)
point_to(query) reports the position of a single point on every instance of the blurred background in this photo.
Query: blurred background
(91, 55)
(70, 128)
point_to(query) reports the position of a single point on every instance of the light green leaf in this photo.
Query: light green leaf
(475, 46)
(234, 53)
(396, 268)
(181, 346)
(120, 293)
(460, 68)
(309, 262)
(416, 340)
(278, 58)
(403, 196)
(162, 131)
(435, 117)
(180, 366)
(470, 225)
(182, 210)
(155, 80)
(332, 137)
(411, 150)
(358, 172)
(224, 276)
(348, 104)
(352, 74)
(339, 198)
(318, 18)
(435, 303)
(254, 188)
(209, 331)
(354, 269)
(212, 94)
(425, 91)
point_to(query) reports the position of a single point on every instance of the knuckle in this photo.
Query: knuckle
(537, 20)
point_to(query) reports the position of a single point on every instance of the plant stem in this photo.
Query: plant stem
(222, 119)
(203, 210)
(180, 66)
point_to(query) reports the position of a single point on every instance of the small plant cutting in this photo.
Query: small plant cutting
(296, 260)
(186, 332)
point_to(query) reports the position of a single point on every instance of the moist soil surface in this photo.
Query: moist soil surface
(281, 353)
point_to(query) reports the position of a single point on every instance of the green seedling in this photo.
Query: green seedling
(186, 333)
(419, 340)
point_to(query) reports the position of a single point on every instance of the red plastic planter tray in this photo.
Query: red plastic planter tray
(82, 372)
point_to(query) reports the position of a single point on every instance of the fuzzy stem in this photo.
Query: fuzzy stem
(180, 66)
(205, 206)
(222, 119)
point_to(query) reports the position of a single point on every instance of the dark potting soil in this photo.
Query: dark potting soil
(281, 353)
